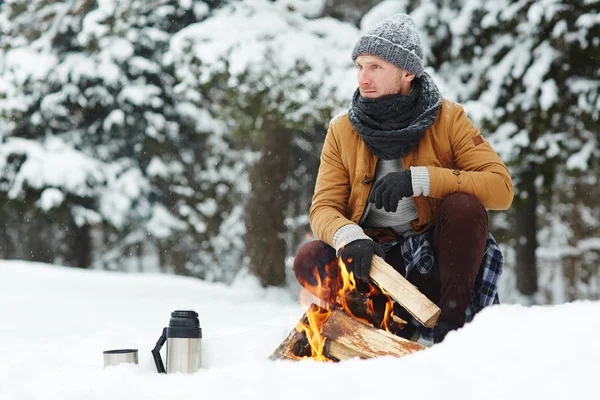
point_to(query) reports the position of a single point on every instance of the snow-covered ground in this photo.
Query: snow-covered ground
(55, 322)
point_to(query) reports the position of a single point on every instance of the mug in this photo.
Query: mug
(116, 357)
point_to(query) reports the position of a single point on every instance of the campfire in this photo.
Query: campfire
(352, 323)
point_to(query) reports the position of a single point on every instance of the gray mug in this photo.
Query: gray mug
(116, 357)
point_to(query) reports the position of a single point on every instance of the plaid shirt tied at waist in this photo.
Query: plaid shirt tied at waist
(417, 253)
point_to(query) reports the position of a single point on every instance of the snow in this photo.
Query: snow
(588, 20)
(26, 63)
(57, 322)
(116, 118)
(234, 40)
(382, 11)
(581, 159)
(515, 61)
(462, 21)
(549, 94)
(142, 95)
(50, 164)
(589, 244)
(543, 56)
(125, 184)
(545, 9)
(163, 223)
(50, 198)
(270, 40)
(307, 8)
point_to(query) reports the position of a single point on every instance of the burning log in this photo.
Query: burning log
(404, 292)
(295, 345)
(358, 320)
(373, 311)
(344, 338)
(351, 338)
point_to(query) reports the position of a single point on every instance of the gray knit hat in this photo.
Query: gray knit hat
(395, 40)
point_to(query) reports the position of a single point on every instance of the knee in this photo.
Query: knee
(313, 257)
(463, 208)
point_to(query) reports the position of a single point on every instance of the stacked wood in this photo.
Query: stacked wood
(295, 346)
(347, 337)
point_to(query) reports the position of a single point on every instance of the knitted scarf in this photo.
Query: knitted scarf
(391, 126)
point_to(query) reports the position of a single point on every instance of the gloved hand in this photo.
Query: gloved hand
(357, 256)
(390, 189)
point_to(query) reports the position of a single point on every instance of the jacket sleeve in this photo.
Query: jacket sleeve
(332, 192)
(479, 170)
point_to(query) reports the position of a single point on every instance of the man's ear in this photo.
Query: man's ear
(409, 76)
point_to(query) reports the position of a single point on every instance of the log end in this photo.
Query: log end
(430, 323)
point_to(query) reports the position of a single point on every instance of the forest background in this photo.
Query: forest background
(183, 137)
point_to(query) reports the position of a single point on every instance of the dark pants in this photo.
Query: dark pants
(458, 241)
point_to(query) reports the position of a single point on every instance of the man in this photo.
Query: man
(406, 176)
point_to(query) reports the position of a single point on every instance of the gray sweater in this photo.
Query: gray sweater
(399, 220)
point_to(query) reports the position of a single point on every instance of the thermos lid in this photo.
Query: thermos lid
(184, 324)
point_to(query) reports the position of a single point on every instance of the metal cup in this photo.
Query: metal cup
(116, 357)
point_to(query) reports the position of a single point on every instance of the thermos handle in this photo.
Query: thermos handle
(160, 367)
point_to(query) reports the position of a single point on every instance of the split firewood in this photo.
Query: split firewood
(348, 337)
(404, 292)
(372, 310)
(294, 346)
(336, 351)
(345, 337)
(369, 309)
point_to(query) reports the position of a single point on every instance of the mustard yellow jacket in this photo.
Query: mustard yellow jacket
(457, 158)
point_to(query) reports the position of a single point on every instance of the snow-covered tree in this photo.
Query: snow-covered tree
(183, 117)
(275, 89)
(39, 206)
(525, 70)
(91, 77)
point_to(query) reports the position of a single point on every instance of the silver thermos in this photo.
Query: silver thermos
(183, 337)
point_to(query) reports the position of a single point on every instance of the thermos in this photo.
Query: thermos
(183, 337)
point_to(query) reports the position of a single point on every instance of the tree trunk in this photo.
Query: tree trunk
(570, 271)
(7, 248)
(140, 257)
(37, 234)
(525, 225)
(77, 248)
(265, 212)
(82, 246)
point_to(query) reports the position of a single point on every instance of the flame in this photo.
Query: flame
(316, 317)
(335, 289)
(349, 285)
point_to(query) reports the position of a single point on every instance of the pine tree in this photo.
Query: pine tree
(107, 94)
(36, 211)
(274, 94)
(524, 71)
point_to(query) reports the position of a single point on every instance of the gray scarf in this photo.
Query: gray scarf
(391, 126)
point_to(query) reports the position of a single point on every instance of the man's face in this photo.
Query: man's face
(378, 77)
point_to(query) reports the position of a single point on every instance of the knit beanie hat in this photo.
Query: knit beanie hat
(395, 40)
